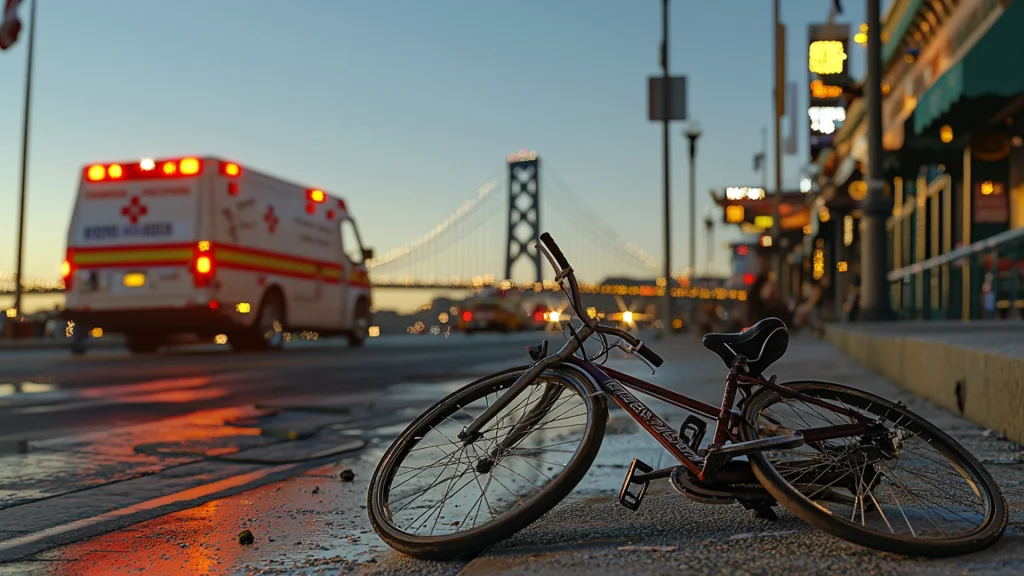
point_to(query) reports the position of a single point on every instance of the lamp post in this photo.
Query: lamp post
(24, 162)
(709, 228)
(666, 329)
(874, 289)
(692, 133)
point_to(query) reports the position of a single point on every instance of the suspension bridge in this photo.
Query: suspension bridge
(488, 242)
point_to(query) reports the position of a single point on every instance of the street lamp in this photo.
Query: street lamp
(692, 133)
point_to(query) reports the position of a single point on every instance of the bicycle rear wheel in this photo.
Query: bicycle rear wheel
(524, 464)
(912, 491)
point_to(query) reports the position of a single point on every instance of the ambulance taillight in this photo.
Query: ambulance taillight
(203, 268)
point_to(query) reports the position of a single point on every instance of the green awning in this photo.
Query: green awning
(990, 68)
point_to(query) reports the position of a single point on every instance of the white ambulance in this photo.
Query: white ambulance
(211, 248)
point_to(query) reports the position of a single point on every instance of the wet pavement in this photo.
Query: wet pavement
(305, 519)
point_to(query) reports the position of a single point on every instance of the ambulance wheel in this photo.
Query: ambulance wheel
(360, 324)
(267, 333)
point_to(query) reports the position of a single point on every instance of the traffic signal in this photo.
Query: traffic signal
(10, 26)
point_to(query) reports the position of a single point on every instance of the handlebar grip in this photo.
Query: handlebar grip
(555, 250)
(651, 356)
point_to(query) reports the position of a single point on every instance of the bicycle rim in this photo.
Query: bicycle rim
(543, 460)
(917, 493)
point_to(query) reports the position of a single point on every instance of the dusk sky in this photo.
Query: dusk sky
(404, 107)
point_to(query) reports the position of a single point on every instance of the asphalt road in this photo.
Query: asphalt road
(50, 392)
(123, 511)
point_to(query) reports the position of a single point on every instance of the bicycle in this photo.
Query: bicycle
(818, 472)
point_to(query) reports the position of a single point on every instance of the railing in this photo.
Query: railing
(960, 279)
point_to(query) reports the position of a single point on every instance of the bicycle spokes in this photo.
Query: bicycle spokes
(447, 485)
(893, 480)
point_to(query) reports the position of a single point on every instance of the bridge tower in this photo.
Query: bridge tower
(523, 211)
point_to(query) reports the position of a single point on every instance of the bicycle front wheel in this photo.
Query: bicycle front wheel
(435, 497)
(909, 490)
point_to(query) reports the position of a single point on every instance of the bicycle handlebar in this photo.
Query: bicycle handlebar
(562, 270)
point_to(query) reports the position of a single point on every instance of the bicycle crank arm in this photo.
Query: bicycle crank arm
(717, 455)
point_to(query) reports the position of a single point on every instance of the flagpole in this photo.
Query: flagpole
(24, 159)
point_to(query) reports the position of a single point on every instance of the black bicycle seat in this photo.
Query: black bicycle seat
(762, 344)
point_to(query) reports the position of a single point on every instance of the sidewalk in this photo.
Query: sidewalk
(975, 369)
(316, 523)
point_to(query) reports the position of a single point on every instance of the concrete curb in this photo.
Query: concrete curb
(982, 386)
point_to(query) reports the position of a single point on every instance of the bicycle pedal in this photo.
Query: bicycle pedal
(627, 498)
(692, 431)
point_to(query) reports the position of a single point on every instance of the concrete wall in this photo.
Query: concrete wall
(992, 385)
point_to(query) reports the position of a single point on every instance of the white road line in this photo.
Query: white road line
(183, 496)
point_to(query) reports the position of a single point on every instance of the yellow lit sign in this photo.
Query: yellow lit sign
(842, 266)
(763, 221)
(826, 57)
(823, 91)
(987, 188)
(734, 214)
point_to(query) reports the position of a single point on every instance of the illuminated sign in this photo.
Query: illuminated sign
(826, 119)
(763, 221)
(826, 57)
(744, 193)
(734, 214)
(847, 231)
(822, 91)
(828, 64)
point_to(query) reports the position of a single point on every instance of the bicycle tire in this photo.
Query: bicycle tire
(805, 509)
(480, 538)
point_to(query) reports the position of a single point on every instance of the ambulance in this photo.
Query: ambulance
(207, 247)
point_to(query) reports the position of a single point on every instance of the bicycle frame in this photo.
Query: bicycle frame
(620, 386)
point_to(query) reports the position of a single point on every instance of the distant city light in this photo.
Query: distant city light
(522, 156)
(220, 339)
(374, 331)
(627, 317)
(805, 185)
(743, 193)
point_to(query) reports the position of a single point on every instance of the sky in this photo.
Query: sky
(400, 103)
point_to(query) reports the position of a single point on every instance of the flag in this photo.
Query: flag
(10, 26)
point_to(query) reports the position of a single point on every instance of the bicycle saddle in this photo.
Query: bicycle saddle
(762, 344)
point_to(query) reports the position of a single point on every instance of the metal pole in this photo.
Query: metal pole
(874, 289)
(764, 158)
(779, 93)
(24, 160)
(693, 204)
(666, 329)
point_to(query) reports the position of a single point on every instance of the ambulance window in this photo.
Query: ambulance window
(350, 242)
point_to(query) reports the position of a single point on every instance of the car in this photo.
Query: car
(491, 315)
(214, 249)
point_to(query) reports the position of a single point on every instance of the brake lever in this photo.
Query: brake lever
(632, 352)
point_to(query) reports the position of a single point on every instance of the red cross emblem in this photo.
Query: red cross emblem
(271, 219)
(134, 210)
